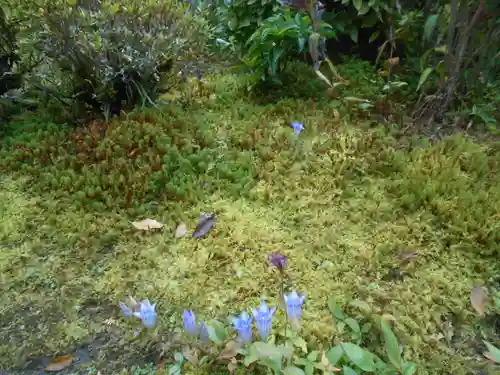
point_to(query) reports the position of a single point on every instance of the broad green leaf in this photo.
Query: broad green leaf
(359, 356)
(423, 77)
(363, 10)
(335, 354)
(353, 33)
(361, 305)
(429, 26)
(292, 370)
(335, 309)
(300, 343)
(313, 356)
(349, 371)
(267, 350)
(357, 4)
(353, 324)
(273, 364)
(494, 351)
(409, 368)
(391, 345)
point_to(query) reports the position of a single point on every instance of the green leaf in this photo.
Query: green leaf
(361, 305)
(267, 350)
(409, 368)
(300, 343)
(429, 26)
(364, 9)
(357, 4)
(423, 77)
(353, 324)
(292, 370)
(355, 99)
(391, 345)
(359, 356)
(335, 354)
(313, 356)
(335, 309)
(273, 364)
(353, 33)
(494, 351)
(349, 371)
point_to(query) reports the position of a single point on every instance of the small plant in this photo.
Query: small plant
(284, 352)
(113, 58)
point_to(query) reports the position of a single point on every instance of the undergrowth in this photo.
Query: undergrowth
(343, 201)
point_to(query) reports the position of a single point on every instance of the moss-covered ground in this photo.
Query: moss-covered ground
(342, 201)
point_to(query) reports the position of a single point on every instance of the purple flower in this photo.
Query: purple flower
(297, 127)
(146, 313)
(243, 325)
(190, 322)
(126, 311)
(203, 332)
(198, 74)
(263, 319)
(277, 260)
(293, 304)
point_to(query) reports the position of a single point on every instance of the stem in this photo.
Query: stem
(282, 295)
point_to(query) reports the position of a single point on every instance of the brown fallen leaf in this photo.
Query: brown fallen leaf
(232, 366)
(230, 351)
(478, 299)
(336, 115)
(207, 222)
(181, 230)
(406, 256)
(191, 354)
(60, 363)
(147, 224)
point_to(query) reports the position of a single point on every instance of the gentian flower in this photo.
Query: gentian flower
(293, 304)
(190, 322)
(297, 127)
(243, 325)
(146, 313)
(277, 260)
(126, 311)
(203, 332)
(198, 74)
(263, 319)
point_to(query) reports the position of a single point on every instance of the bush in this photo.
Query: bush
(110, 59)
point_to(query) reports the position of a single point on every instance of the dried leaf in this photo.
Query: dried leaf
(60, 363)
(478, 299)
(232, 366)
(181, 230)
(191, 354)
(393, 61)
(147, 224)
(406, 256)
(336, 115)
(207, 221)
(230, 351)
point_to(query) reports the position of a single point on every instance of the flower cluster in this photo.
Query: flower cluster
(262, 316)
(143, 310)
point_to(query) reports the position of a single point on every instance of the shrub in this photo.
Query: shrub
(110, 59)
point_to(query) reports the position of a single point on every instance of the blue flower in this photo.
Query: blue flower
(263, 319)
(147, 314)
(297, 127)
(293, 304)
(198, 74)
(126, 311)
(277, 260)
(243, 325)
(190, 322)
(203, 332)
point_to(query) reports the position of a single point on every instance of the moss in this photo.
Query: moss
(340, 201)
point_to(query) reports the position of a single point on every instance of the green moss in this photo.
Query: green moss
(340, 201)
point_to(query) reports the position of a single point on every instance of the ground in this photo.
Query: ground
(342, 201)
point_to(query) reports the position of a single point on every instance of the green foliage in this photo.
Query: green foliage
(279, 37)
(125, 163)
(111, 59)
(239, 19)
(287, 353)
